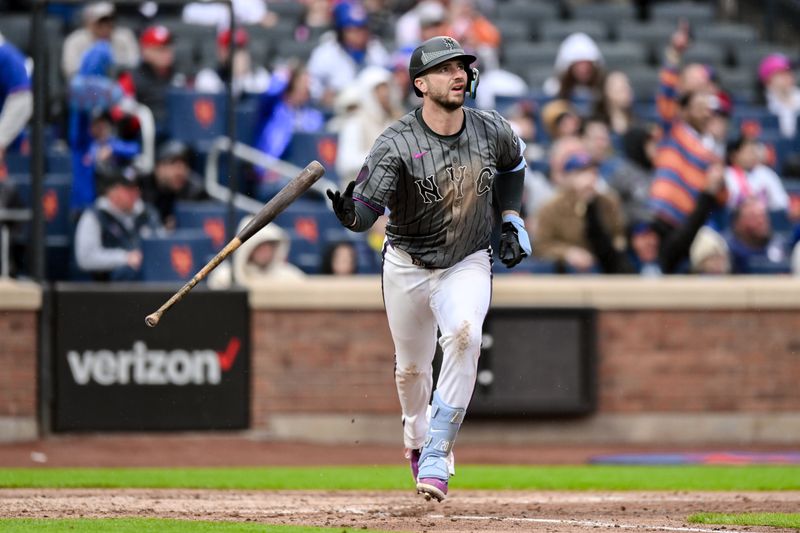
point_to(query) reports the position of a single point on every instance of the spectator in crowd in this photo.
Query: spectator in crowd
(340, 259)
(615, 106)
(247, 77)
(318, 14)
(709, 253)
(284, 109)
(150, 82)
(16, 98)
(341, 55)
(689, 182)
(378, 109)
(560, 119)
(578, 70)
(496, 81)
(755, 248)
(93, 93)
(721, 110)
(582, 227)
(780, 92)
(347, 102)
(745, 177)
(402, 80)
(246, 12)
(261, 259)
(428, 18)
(99, 25)
(471, 28)
(109, 234)
(172, 180)
(107, 146)
(640, 145)
(643, 244)
(631, 183)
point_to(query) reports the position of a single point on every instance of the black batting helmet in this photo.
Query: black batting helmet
(437, 50)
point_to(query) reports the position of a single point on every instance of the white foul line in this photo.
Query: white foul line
(585, 523)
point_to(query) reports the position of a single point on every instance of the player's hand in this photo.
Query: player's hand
(515, 245)
(682, 37)
(343, 205)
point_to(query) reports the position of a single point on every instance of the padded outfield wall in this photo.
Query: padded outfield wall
(678, 360)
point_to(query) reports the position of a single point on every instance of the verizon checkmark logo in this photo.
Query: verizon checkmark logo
(420, 154)
(228, 356)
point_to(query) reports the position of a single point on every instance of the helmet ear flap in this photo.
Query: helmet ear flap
(472, 82)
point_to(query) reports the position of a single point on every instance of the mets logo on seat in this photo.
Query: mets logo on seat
(181, 259)
(204, 111)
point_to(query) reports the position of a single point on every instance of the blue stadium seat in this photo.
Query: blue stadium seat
(195, 118)
(308, 218)
(305, 147)
(55, 202)
(210, 217)
(304, 253)
(176, 257)
(17, 163)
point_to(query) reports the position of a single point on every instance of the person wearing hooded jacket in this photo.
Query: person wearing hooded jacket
(578, 70)
(379, 108)
(263, 258)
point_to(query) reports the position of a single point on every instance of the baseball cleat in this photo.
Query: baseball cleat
(432, 488)
(413, 459)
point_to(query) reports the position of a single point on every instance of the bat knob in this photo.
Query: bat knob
(152, 320)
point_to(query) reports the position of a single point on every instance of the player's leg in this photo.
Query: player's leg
(406, 294)
(460, 301)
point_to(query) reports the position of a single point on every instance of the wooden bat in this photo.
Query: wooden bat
(290, 192)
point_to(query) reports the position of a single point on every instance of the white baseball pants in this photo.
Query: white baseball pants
(418, 300)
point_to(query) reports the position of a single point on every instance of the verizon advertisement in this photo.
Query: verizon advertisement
(112, 372)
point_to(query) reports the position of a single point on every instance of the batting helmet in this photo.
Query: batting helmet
(437, 50)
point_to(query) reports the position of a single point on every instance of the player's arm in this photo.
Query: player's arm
(509, 185)
(354, 214)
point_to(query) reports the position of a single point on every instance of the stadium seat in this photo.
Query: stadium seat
(644, 81)
(522, 57)
(191, 33)
(306, 147)
(654, 35)
(308, 219)
(209, 216)
(304, 253)
(606, 12)
(534, 14)
(185, 58)
(194, 118)
(727, 34)
(698, 14)
(513, 31)
(288, 12)
(748, 57)
(55, 202)
(622, 55)
(559, 30)
(176, 257)
(706, 53)
(291, 49)
(739, 82)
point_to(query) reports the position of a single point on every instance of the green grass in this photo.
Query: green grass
(786, 520)
(137, 525)
(715, 478)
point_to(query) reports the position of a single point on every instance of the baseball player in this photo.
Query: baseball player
(440, 172)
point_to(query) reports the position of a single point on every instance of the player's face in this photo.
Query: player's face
(446, 84)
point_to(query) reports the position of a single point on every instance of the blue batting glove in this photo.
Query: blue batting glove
(522, 234)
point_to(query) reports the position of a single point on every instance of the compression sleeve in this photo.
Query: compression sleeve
(365, 217)
(510, 186)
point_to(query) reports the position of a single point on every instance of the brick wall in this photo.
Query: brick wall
(699, 361)
(18, 363)
(649, 361)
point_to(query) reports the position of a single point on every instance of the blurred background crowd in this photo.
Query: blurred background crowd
(661, 137)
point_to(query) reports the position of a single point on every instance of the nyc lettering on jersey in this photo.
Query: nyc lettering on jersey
(429, 190)
(143, 366)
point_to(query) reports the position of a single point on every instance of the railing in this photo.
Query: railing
(247, 153)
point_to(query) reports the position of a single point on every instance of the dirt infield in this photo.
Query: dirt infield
(403, 511)
(464, 511)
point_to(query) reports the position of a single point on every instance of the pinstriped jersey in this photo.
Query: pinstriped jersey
(438, 189)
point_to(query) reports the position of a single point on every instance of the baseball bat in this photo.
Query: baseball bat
(288, 194)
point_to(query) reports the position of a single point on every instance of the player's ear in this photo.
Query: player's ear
(421, 84)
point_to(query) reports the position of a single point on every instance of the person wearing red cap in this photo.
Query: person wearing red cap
(780, 91)
(150, 81)
(247, 77)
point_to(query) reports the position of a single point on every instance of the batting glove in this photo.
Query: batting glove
(515, 245)
(343, 205)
